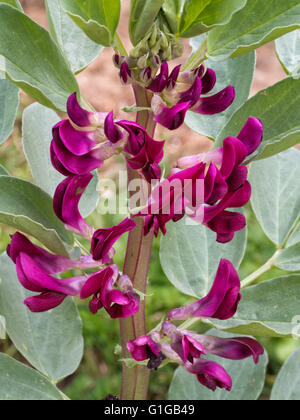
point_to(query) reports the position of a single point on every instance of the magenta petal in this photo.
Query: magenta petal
(77, 142)
(234, 153)
(161, 81)
(104, 239)
(96, 282)
(172, 118)
(217, 103)
(238, 348)
(125, 73)
(215, 185)
(111, 130)
(192, 349)
(237, 178)
(56, 163)
(211, 375)
(252, 134)
(208, 81)
(226, 224)
(44, 302)
(173, 77)
(141, 347)
(193, 94)
(124, 306)
(78, 115)
(66, 200)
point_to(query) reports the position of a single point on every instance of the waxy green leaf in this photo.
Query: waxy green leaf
(27, 208)
(9, 103)
(3, 171)
(190, 256)
(172, 11)
(276, 200)
(21, 383)
(142, 16)
(33, 61)
(247, 380)
(288, 52)
(259, 22)
(289, 258)
(277, 108)
(14, 3)
(238, 72)
(287, 385)
(200, 16)
(269, 309)
(52, 341)
(77, 48)
(97, 18)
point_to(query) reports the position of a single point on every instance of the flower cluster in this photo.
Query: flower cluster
(190, 349)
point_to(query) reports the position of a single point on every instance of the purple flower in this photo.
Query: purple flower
(66, 200)
(111, 130)
(125, 73)
(171, 118)
(121, 303)
(221, 302)
(161, 81)
(143, 348)
(215, 104)
(146, 152)
(210, 374)
(52, 291)
(80, 116)
(51, 264)
(104, 239)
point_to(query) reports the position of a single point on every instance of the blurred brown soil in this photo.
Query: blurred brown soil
(100, 83)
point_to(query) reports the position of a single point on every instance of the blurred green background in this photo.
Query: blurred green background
(100, 371)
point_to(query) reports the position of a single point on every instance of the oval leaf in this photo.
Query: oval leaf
(172, 10)
(247, 380)
(269, 309)
(288, 52)
(9, 103)
(276, 200)
(289, 259)
(3, 171)
(19, 382)
(256, 24)
(238, 72)
(97, 18)
(190, 256)
(51, 342)
(142, 16)
(287, 385)
(277, 107)
(27, 208)
(33, 60)
(78, 49)
(200, 16)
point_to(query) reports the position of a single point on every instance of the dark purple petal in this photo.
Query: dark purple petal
(237, 348)
(252, 134)
(173, 77)
(151, 171)
(211, 375)
(237, 178)
(44, 302)
(208, 81)
(217, 103)
(96, 282)
(56, 163)
(77, 142)
(226, 224)
(234, 153)
(123, 306)
(111, 130)
(192, 95)
(172, 118)
(215, 185)
(78, 115)
(104, 239)
(222, 300)
(125, 73)
(66, 200)
(161, 81)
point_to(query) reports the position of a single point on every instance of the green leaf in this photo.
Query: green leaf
(142, 16)
(9, 103)
(259, 22)
(52, 341)
(27, 208)
(276, 200)
(3, 171)
(295, 237)
(200, 16)
(172, 11)
(97, 18)
(37, 135)
(277, 108)
(289, 259)
(247, 380)
(266, 310)
(190, 256)
(238, 72)
(288, 52)
(287, 385)
(14, 3)
(78, 49)
(33, 60)
(19, 382)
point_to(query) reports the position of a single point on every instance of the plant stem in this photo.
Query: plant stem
(135, 381)
(262, 270)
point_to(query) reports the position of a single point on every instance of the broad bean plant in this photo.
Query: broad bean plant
(57, 258)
